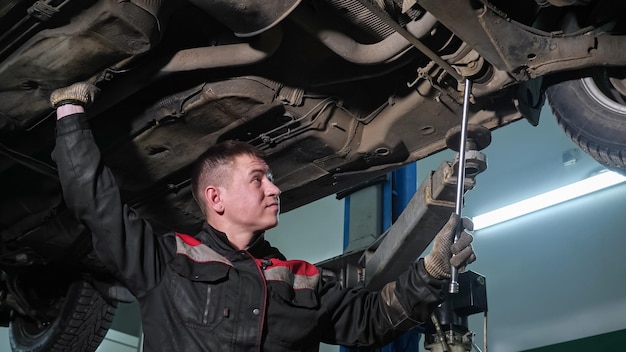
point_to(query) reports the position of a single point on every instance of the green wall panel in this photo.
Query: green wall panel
(612, 341)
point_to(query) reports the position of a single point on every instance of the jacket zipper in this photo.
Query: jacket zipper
(205, 316)
(263, 265)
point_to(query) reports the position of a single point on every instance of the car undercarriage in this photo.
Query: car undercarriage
(336, 92)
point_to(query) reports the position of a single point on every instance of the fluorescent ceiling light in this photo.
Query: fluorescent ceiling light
(544, 200)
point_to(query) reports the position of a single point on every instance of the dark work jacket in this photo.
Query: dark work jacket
(198, 293)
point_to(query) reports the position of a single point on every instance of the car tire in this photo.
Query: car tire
(83, 319)
(592, 112)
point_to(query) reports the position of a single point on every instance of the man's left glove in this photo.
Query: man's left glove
(440, 259)
(81, 93)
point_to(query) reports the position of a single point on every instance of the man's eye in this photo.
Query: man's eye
(270, 177)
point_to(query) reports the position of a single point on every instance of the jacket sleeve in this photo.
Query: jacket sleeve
(122, 240)
(360, 317)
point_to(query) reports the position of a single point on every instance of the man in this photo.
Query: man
(226, 288)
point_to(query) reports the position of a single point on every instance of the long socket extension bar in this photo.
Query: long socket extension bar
(454, 273)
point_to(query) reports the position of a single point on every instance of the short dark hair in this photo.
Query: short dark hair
(211, 166)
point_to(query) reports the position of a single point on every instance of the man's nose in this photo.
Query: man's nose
(272, 189)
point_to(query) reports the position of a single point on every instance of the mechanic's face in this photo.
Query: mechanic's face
(251, 198)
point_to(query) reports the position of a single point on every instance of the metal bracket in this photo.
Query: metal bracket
(43, 11)
(408, 237)
(531, 54)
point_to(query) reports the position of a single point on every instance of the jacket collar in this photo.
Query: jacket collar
(217, 240)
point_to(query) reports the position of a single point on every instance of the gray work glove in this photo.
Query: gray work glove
(440, 259)
(81, 93)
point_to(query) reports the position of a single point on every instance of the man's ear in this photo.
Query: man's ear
(214, 199)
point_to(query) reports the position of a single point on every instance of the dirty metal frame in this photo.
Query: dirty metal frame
(488, 31)
(533, 53)
(407, 238)
(385, 17)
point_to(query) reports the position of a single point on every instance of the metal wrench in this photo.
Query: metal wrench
(454, 273)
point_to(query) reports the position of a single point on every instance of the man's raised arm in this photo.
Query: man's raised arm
(122, 240)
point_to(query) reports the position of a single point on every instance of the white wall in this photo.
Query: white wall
(116, 341)
(5, 344)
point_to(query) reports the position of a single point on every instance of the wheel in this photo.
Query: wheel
(80, 321)
(592, 111)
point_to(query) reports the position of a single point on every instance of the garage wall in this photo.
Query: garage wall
(604, 342)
